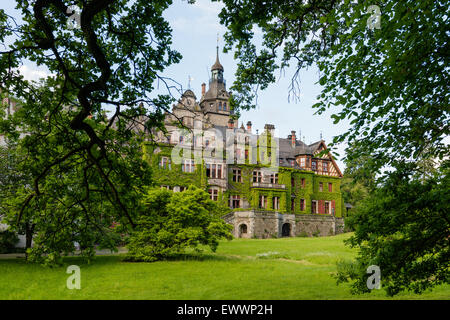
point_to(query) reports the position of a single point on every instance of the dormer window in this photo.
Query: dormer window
(302, 162)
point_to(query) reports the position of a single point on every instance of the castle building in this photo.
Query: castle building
(274, 186)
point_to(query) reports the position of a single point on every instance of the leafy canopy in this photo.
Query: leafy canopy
(85, 169)
(392, 84)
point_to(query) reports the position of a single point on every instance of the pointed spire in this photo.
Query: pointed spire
(217, 65)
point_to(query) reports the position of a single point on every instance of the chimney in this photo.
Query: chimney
(249, 127)
(230, 124)
(293, 138)
(203, 89)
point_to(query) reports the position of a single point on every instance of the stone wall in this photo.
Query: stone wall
(263, 225)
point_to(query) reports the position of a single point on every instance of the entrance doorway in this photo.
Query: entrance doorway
(243, 231)
(286, 230)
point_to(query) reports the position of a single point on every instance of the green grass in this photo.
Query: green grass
(296, 268)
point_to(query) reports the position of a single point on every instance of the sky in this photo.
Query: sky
(195, 31)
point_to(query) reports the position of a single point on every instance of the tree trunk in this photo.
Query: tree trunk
(29, 228)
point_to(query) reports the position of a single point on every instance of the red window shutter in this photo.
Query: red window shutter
(333, 210)
(321, 206)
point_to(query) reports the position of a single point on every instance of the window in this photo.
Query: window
(262, 202)
(257, 176)
(327, 207)
(291, 162)
(181, 139)
(235, 201)
(302, 204)
(197, 124)
(237, 175)
(246, 154)
(219, 171)
(214, 170)
(220, 105)
(303, 183)
(276, 203)
(214, 194)
(320, 186)
(325, 167)
(166, 187)
(237, 154)
(302, 162)
(313, 165)
(314, 208)
(330, 187)
(292, 204)
(274, 178)
(188, 166)
(292, 182)
(165, 163)
(182, 189)
(225, 106)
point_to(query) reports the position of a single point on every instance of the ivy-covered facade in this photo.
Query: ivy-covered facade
(273, 186)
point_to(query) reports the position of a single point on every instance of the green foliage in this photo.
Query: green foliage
(8, 239)
(391, 84)
(358, 180)
(404, 228)
(84, 168)
(171, 222)
(302, 234)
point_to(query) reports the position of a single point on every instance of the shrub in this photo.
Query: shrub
(303, 234)
(8, 240)
(173, 222)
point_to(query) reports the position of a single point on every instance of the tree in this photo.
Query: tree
(403, 228)
(358, 180)
(86, 170)
(391, 81)
(171, 222)
(12, 181)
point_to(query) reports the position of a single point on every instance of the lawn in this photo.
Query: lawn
(240, 269)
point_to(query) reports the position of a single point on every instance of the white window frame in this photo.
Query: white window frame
(167, 164)
(214, 172)
(214, 194)
(276, 203)
(258, 175)
(188, 163)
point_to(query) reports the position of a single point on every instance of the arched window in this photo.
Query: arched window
(220, 105)
(224, 106)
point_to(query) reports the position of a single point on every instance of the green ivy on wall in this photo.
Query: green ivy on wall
(249, 194)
